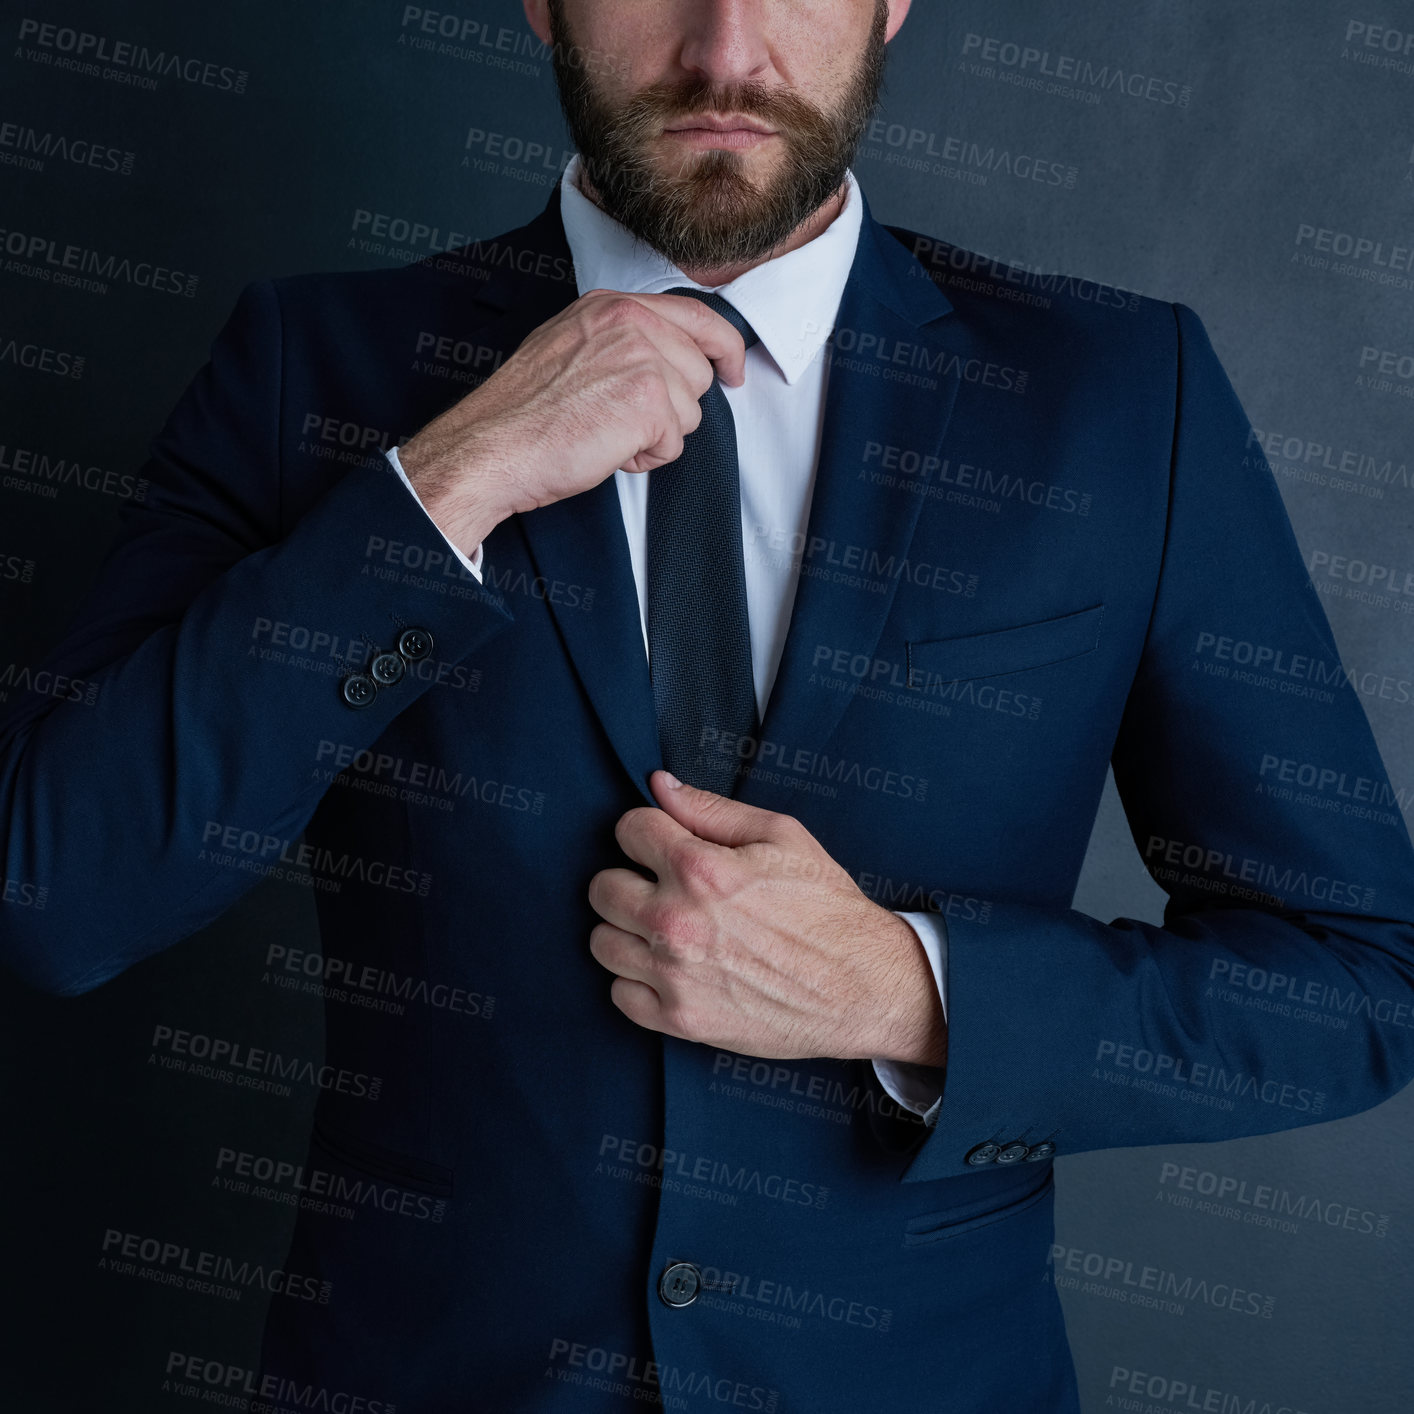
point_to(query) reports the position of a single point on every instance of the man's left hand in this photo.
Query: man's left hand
(754, 940)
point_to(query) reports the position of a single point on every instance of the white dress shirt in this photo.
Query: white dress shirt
(791, 302)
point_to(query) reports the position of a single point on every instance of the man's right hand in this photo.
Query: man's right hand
(611, 381)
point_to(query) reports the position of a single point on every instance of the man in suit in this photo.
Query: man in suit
(765, 1112)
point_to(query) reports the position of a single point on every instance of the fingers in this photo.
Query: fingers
(640, 1003)
(715, 336)
(625, 954)
(696, 339)
(619, 895)
(649, 837)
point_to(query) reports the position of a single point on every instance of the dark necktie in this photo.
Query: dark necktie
(699, 639)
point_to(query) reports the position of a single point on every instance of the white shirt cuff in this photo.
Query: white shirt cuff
(474, 563)
(917, 1087)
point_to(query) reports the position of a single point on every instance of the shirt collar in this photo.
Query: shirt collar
(790, 300)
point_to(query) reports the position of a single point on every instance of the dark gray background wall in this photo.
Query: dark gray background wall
(1255, 162)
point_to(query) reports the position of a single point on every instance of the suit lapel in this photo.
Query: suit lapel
(888, 302)
(854, 529)
(581, 540)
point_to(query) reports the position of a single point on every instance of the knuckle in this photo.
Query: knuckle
(670, 924)
(643, 385)
(618, 308)
(697, 868)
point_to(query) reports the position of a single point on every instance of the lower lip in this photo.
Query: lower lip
(740, 138)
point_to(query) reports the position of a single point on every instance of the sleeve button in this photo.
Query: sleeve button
(414, 644)
(386, 669)
(358, 690)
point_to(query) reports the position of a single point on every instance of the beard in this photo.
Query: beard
(709, 214)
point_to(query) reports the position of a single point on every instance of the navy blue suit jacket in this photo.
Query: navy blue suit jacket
(1040, 544)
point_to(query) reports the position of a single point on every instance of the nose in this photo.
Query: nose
(724, 41)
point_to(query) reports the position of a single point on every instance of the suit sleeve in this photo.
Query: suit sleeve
(1279, 990)
(211, 648)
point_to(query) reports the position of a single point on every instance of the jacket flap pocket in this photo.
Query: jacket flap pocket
(934, 1227)
(1004, 650)
(402, 1170)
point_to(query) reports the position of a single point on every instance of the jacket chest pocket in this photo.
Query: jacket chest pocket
(1005, 650)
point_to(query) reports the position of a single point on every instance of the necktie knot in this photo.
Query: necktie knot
(724, 307)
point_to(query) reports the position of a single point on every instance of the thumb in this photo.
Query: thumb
(712, 817)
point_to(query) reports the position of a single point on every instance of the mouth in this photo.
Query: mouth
(712, 130)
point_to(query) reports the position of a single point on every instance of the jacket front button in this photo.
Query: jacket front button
(386, 669)
(983, 1153)
(358, 691)
(679, 1284)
